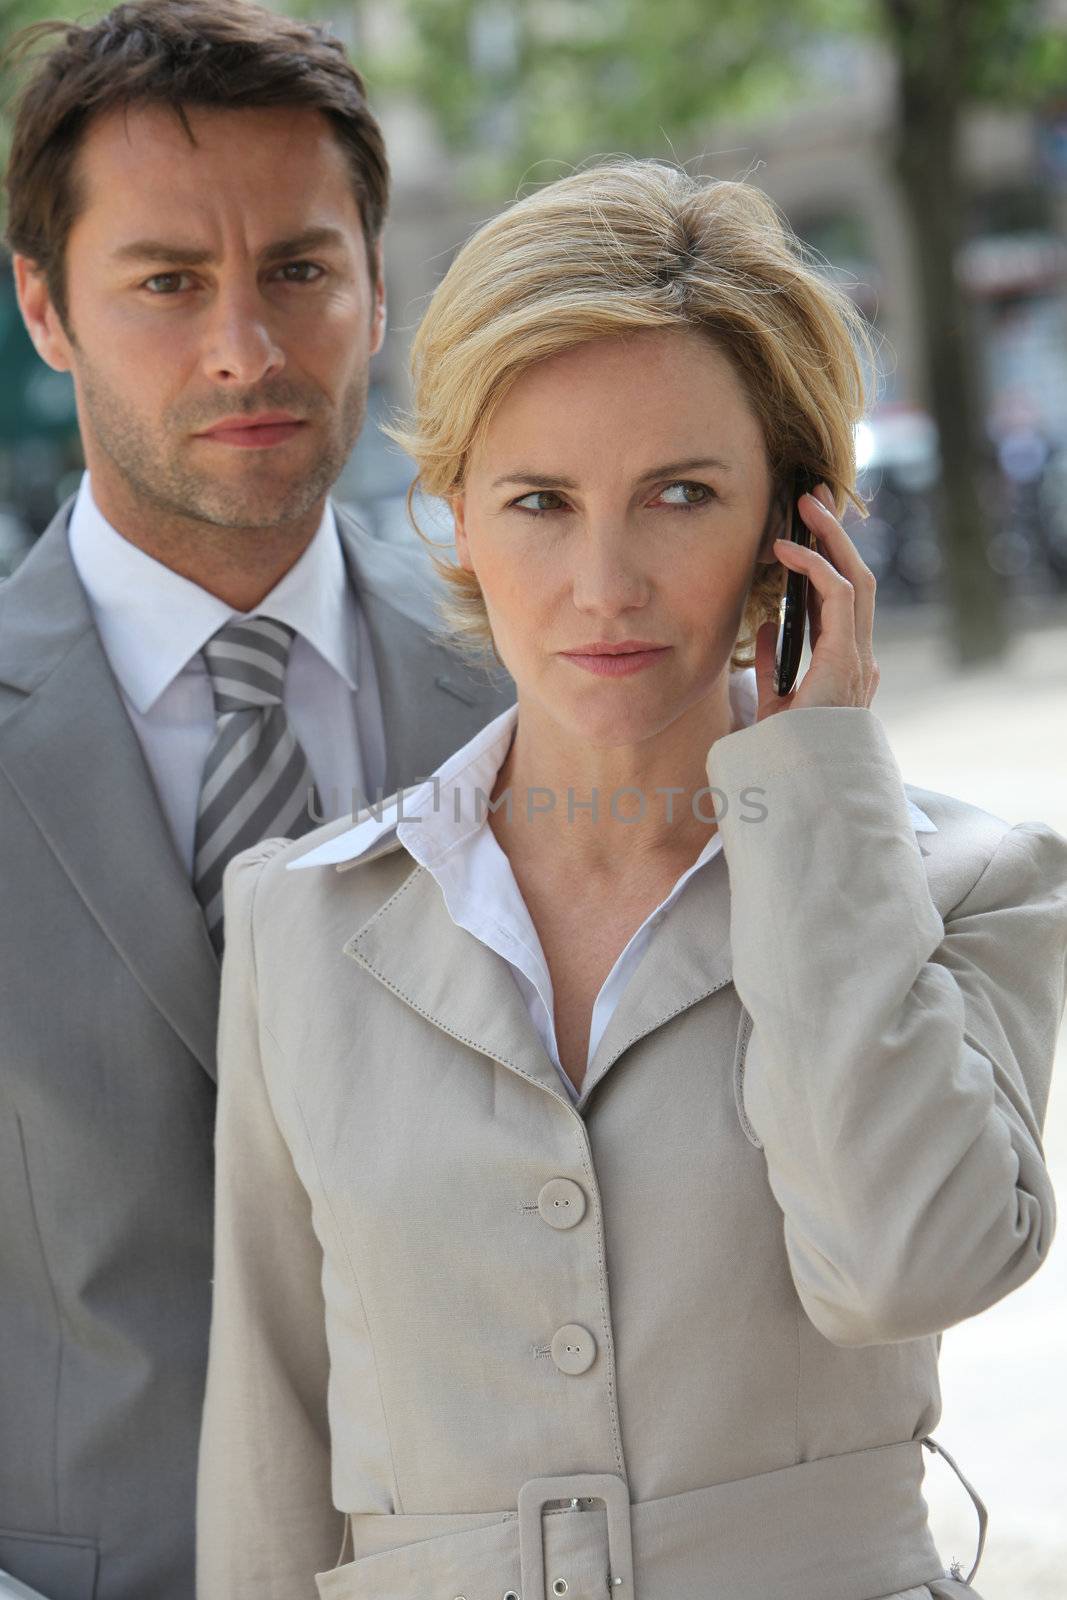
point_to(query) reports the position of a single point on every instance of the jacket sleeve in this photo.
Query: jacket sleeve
(899, 1064)
(265, 1518)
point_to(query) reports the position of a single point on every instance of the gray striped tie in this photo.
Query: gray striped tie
(256, 777)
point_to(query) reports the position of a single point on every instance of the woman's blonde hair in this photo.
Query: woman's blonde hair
(620, 246)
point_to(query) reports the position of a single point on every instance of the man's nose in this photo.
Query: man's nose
(240, 346)
(607, 575)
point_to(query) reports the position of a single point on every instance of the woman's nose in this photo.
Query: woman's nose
(607, 576)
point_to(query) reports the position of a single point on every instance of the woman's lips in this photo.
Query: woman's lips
(259, 436)
(616, 666)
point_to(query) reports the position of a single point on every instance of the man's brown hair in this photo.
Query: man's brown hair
(226, 54)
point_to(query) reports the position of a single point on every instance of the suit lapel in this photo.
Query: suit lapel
(432, 702)
(72, 756)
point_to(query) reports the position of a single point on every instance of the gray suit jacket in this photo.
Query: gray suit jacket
(108, 1001)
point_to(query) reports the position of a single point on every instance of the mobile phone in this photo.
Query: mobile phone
(793, 618)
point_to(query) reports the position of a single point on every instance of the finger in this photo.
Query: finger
(835, 544)
(837, 599)
(814, 607)
(814, 615)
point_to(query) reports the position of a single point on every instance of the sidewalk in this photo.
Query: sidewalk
(999, 739)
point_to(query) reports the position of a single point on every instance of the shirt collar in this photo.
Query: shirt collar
(473, 766)
(444, 810)
(152, 622)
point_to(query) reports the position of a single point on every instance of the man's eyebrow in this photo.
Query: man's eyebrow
(539, 480)
(180, 255)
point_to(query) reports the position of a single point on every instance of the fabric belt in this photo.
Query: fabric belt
(844, 1527)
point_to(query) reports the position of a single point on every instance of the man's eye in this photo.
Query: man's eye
(301, 267)
(541, 495)
(693, 494)
(165, 282)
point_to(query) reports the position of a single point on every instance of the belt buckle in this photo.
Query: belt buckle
(606, 1486)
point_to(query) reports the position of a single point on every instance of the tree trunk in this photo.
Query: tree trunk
(932, 50)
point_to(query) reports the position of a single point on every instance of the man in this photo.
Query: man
(199, 652)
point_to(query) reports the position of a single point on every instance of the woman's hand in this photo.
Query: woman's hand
(842, 670)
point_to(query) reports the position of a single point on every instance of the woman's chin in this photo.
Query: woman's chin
(611, 726)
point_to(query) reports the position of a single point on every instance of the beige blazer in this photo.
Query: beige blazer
(676, 1342)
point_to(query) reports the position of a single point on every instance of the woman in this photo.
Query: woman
(608, 1128)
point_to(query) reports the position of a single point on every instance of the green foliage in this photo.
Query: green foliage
(995, 50)
(510, 84)
(14, 15)
(1016, 57)
(513, 86)
(522, 88)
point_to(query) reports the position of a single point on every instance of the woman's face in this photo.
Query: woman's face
(621, 495)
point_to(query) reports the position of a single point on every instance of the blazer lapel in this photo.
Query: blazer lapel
(690, 957)
(412, 946)
(687, 959)
(73, 758)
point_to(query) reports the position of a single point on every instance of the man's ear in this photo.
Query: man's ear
(378, 318)
(457, 502)
(40, 315)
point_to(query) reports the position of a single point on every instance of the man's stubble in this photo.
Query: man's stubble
(162, 478)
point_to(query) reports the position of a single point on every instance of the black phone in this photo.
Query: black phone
(793, 619)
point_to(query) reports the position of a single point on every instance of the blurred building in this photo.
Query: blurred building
(827, 160)
(825, 156)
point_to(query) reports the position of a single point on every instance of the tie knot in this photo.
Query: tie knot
(247, 659)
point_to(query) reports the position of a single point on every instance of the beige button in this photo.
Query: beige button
(573, 1348)
(561, 1203)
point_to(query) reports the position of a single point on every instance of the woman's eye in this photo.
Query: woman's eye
(692, 494)
(539, 495)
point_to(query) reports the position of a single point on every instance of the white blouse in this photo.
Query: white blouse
(443, 824)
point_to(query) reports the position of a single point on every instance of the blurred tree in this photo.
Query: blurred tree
(949, 54)
(508, 82)
(14, 16)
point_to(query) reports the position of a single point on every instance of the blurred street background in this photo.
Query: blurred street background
(996, 735)
(919, 149)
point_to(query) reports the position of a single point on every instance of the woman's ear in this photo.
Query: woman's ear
(774, 527)
(459, 523)
(767, 557)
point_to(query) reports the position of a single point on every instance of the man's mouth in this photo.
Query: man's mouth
(254, 433)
